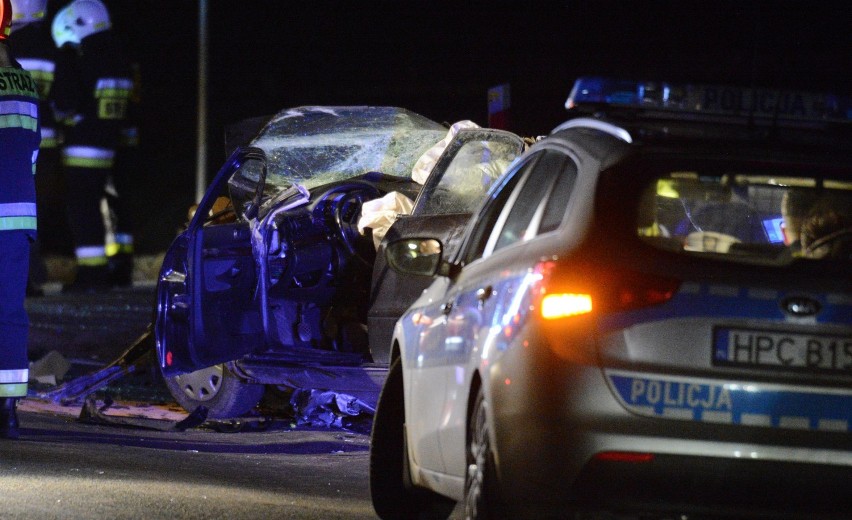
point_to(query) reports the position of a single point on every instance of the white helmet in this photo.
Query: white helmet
(79, 19)
(27, 11)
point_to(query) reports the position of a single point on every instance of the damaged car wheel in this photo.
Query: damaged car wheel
(216, 388)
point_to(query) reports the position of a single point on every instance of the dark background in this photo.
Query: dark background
(439, 58)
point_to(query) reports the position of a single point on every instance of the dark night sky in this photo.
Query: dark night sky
(439, 58)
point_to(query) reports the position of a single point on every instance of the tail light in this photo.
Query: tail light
(628, 457)
(585, 289)
(562, 305)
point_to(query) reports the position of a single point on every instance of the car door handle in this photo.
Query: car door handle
(484, 293)
(447, 308)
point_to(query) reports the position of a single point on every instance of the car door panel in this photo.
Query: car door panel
(393, 292)
(484, 320)
(208, 307)
(423, 379)
(225, 321)
(456, 186)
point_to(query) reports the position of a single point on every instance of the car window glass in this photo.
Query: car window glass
(742, 216)
(557, 202)
(487, 219)
(464, 183)
(243, 183)
(529, 203)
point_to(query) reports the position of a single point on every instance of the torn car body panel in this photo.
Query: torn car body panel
(272, 277)
(280, 283)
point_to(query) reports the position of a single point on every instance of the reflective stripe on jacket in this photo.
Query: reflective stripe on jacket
(13, 383)
(88, 157)
(19, 142)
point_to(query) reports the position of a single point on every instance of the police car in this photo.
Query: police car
(651, 315)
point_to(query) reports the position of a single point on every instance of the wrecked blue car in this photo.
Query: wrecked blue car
(269, 283)
(276, 280)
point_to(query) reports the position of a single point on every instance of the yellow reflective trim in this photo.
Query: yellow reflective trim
(49, 142)
(44, 81)
(112, 92)
(13, 390)
(112, 108)
(666, 188)
(114, 249)
(14, 223)
(650, 231)
(19, 121)
(86, 162)
(93, 261)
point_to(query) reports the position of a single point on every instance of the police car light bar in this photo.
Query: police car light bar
(740, 102)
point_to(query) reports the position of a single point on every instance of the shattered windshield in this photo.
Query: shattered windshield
(313, 146)
(468, 177)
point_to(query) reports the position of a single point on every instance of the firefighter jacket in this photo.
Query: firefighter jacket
(35, 51)
(91, 96)
(19, 143)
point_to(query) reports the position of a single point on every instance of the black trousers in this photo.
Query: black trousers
(14, 324)
(84, 191)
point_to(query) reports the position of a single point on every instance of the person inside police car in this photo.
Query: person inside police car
(795, 205)
(826, 230)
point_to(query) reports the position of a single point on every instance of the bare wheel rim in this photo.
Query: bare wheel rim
(201, 385)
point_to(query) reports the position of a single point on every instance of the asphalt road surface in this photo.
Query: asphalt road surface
(67, 468)
(64, 469)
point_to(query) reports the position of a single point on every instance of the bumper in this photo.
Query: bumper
(554, 417)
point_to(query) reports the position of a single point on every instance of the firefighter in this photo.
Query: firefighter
(19, 145)
(119, 247)
(35, 51)
(91, 97)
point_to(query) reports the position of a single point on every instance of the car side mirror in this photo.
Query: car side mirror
(415, 256)
(250, 177)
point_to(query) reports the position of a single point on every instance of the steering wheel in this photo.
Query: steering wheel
(345, 203)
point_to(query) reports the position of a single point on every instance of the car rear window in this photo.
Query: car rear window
(748, 216)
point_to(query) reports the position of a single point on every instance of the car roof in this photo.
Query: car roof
(812, 128)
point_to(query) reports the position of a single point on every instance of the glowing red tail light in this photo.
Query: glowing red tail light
(562, 305)
(584, 289)
(624, 456)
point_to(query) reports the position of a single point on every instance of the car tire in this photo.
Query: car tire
(480, 483)
(393, 495)
(218, 389)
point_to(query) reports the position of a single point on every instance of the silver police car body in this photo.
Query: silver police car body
(650, 315)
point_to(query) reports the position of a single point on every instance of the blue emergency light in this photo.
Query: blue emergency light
(710, 100)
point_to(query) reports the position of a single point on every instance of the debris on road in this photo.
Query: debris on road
(135, 358)
(49, 369)
(93, 412)
(310, 407)
(330, 409)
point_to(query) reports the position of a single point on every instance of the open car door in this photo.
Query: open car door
(458, 183)
(208, 303)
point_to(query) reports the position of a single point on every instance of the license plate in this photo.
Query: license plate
(758, 348)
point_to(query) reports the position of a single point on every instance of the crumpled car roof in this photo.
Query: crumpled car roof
(317, 145)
